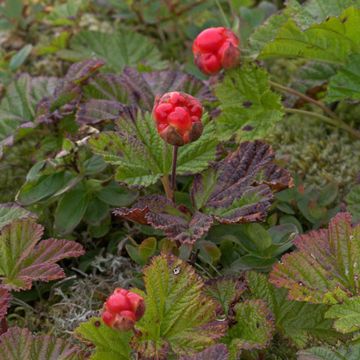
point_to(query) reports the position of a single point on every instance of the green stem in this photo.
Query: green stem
(166, 184)
(334, 122)
(308, 99)
(331, 119)
(225, 19)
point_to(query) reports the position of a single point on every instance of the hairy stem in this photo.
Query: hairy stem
(334, 122)
(173, 172)
(308, 99)
(166, 184)
(331, 119)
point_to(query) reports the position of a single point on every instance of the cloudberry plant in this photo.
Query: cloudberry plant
(178, 118)
(122, 309)
(215, 49)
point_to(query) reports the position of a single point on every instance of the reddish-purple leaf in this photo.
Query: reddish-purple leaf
(4, 302)
(67, 94)
(176, 222)
(239, 189)
(215, 352)
(20, 344)
(144, 87)
(24, 258)
(95, 111)
(325, 268)
(108, 93)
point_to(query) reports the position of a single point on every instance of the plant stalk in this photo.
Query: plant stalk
(334, 122)
(173, 172)
(331, 119)
(308, 99)
(166, 184)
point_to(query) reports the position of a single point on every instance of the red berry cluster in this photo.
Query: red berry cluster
(178, 118)
(122, 309)
(215, 49)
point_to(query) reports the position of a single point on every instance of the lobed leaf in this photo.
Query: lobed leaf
(5, 298)
(300, 322)
(108, 94)
(18, 344)
(140, 155)
(346, 315)
(24, 258)
(162, 214)
(215, 352)
(351, 352)
(331, 41)
(253, 329)
(345, 84)
(117, 49)
(309, 13)
(249, 108)
(10, 212)
(110, 344)
(18, 106)
(226, 291)
(179, 318)
(325, 266)
(239, 189)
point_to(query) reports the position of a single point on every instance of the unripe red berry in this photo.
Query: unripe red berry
(122, 309)
(178, 118)
(215, 49)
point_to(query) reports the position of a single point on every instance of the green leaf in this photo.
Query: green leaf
(346, 315)
(71, 209)
(141, 254)
(225, 291)
(312, 74)
(259, 235)
(325, 268)
(298, 321)
(42, 187)
(20, 344)
(94, 165)
(351, 352)
(118, 49)
(110, 344)
(96, 211)
(247, 101)
(117, 195)
(179, 318)
(19, 102)
(19, 58)
(10, 212)
(142, 157)
(346, 83)
(61, 14)
(24, 258)
(253, 329)
(331, 41)
(305, 15)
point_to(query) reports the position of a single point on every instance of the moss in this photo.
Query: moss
(318, 154)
